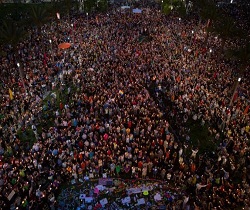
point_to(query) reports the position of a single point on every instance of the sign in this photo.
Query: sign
(157, 197)
(82, 196)
(141, 201)
(88, 199)
(104, 182)
(126, 200)
(10, 196)
(103, 202)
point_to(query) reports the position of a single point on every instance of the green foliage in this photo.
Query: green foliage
(181, 9)
(207, 10)
(89, 5)
(26, 135)
(12, 11)
(39, 15)
(11, 33)
(176, 3)
(172, 2)
(200, 136)
(65, 6)
(225, 28)
(177, 6)
(240, 54)
(102, 5)
(55, 7)
(17, 11)
(167, 9)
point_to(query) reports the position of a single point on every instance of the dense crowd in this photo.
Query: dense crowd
(115, 96)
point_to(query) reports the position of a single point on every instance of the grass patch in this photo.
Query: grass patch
(144, 38)
(200, 136)
(48, 114)
(27, 136)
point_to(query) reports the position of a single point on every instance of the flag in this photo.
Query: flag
(172, 97)
(246, 110)
(178, 79)
(11, 94)
(121, 92)
(97, 20)
(235, 96)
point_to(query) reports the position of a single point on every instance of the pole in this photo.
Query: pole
(87, 20)
(209, 55)
(21, 75)
(191, 40)
(73, 33)
(51, 50)
(231, 102)
(235, 91)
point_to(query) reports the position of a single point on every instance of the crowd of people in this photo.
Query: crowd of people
(113, 98)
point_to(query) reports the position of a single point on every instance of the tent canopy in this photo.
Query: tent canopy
(64, 45)
(137, 10)
(125, 7)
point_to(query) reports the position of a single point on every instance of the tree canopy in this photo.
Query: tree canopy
(11, 33)
(39, 15)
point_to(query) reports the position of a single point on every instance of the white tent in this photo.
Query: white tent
(137, 10)
(125, 7)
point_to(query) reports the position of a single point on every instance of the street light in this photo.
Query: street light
(21, 75)
(72, 25)
(191, 37)
(52, 54)
(235, 91)
(87, 20)
(209, 55)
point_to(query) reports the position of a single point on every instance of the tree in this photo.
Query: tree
(39, 15)
(89, 5)
(12, 34)
(208, 12)
(167, 8)
(177, 6)
(15, 12)
(180, 8)
(225, 28)
(68, 4)
(102, 5)
(55, 7)
(242, 55)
